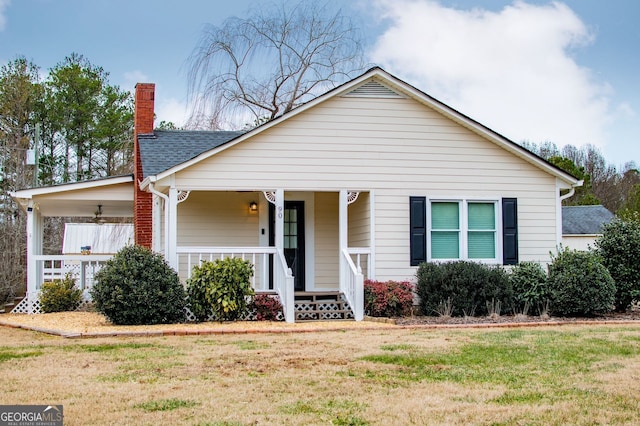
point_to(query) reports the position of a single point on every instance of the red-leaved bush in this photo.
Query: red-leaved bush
(266, 307)
(388, 298)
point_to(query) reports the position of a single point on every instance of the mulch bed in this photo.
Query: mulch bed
(517, 319)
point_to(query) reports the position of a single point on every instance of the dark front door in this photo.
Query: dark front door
(293, 239)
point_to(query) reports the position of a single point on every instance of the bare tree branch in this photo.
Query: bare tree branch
(263, 66)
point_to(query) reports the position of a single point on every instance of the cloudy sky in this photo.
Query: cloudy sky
(563, 71)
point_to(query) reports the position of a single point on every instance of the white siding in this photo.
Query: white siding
(579, 242)
(396, 147)
(219, 219)
(359, 220)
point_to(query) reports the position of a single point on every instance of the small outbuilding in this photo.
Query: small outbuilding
(581, 225)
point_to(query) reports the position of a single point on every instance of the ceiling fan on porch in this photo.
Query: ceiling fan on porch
(98, 216)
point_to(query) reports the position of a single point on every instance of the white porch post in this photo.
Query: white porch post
(34, 247)
(279, 219)
(289, 301)
(171, 237)
(156, 215)
(372, 237)
(343, 236)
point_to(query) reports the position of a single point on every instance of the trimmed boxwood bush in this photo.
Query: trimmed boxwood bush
(220, 289)
(619, 248)
(470, 288)
(388, 298)
(137, 286)
(60, 295)
(580, 284)
(530, 286)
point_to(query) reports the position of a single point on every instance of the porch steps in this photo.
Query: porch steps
(8, 306)
(326, 305)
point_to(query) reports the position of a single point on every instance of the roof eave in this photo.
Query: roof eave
(73, 186)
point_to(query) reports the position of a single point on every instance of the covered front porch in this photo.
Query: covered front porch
(104, 200)
(298, 241)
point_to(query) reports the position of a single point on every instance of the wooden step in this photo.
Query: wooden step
(324, 305)
(8, 307)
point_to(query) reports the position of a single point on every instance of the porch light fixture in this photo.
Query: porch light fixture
(253, 207)
(98, 216)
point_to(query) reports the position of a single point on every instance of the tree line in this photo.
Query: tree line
(73, 124)
(617, 189)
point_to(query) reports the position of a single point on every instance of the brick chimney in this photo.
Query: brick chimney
(143, 124)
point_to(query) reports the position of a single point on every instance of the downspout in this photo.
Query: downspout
(561, 198)
(166, 216)
(571, 191)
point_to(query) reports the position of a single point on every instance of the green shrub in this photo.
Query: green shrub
(580, 284)
(388, 298)
(137, 286)
(60, 295)
(619, 248)
(464, 287)
(530, 286)
(220, 289)
(266, 307)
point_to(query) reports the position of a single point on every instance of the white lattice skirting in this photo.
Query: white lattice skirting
(27, 306)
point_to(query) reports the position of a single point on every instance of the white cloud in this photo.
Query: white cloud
(511, 70)
(3, 19)
(167, 108)
(171, 109)
(131, 78)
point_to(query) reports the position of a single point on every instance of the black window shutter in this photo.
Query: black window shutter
(510, 231)
(418, 229)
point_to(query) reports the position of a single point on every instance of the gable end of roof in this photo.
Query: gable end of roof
(373, 89)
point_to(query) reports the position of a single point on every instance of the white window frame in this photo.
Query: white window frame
(463, 245)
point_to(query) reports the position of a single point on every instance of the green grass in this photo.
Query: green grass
(166, 404)
(110, 347)
(507, 358)
(7, 354)
(250, 345)
(332, 411)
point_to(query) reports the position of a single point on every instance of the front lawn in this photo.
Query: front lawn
(563, 375)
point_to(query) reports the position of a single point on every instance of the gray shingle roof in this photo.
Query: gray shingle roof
(165, 149)
(581, 220)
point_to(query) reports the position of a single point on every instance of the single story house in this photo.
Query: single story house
(581, 225)
(365, 181)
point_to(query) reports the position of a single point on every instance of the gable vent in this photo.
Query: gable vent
(373, 89)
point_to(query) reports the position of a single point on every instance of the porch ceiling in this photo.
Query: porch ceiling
(85, 207)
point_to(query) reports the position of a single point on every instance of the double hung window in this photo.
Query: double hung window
(463, 230)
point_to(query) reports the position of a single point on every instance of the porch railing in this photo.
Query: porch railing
(188, 257)
(361, 257)
(352, 285)
(284, 286)
(260, 257)
(80, 267)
